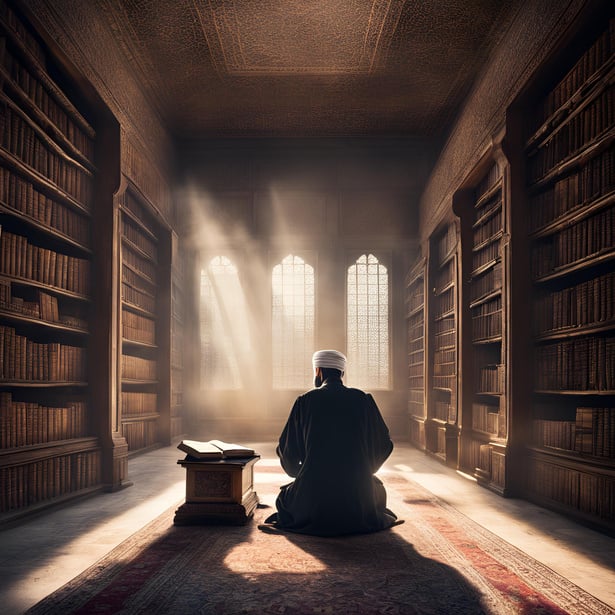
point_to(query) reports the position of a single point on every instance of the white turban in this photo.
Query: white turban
(329, 358)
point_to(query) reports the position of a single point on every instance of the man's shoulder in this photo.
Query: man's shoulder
(304, 397)
(307, 393)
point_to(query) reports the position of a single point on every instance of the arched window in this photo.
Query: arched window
(367, 331)
(292, 323)
(225, 337)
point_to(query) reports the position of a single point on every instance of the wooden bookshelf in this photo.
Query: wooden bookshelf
(178, 316)
(441, 428)
(570, 192)
(415, 326)
(49, 447)
(485, 422)
(144, 326)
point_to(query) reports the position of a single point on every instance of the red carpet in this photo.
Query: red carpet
(438, 561)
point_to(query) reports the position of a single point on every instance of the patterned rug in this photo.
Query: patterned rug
(437, 562)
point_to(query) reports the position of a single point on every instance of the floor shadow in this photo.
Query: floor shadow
(383, 573)
(224, 570)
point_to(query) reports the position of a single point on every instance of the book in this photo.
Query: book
(233, 450)
(200, 450)
(214, 449)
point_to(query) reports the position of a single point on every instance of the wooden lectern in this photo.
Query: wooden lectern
(219, 491)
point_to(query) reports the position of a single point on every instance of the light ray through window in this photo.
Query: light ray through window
(225, 336)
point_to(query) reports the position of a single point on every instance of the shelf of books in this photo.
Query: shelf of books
(178, 306)
(49, 450)
(484, 438)
(415, 325)
(441, 428)
(571, 198)
(141, 376)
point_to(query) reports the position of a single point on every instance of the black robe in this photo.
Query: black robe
(334, 441)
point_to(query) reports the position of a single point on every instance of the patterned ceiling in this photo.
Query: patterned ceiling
(223, 68)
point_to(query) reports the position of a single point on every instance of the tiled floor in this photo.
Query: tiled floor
(43, 553)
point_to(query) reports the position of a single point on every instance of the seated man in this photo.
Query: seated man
(334, 441)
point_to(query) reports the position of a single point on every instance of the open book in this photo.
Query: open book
(214, 449)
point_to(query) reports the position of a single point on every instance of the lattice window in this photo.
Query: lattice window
(368, 324)
(225, 337)
(292, 323)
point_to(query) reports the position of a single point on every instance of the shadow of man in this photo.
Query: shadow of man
(382, 573)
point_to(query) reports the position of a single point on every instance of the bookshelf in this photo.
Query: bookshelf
(485, 422)
(441, 427)
(145, 331)
(178, 315)
(49, 448)
(415, 326)
(570, 193)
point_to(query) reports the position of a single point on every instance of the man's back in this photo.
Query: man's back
(334, 441)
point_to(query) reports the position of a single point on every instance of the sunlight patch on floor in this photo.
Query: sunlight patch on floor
(466, 476)
(245, 561)
(403, 468)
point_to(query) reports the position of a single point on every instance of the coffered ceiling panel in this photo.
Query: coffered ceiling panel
(322, 37)
(307, 67)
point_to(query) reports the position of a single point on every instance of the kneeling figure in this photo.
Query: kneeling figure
(333, 443)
